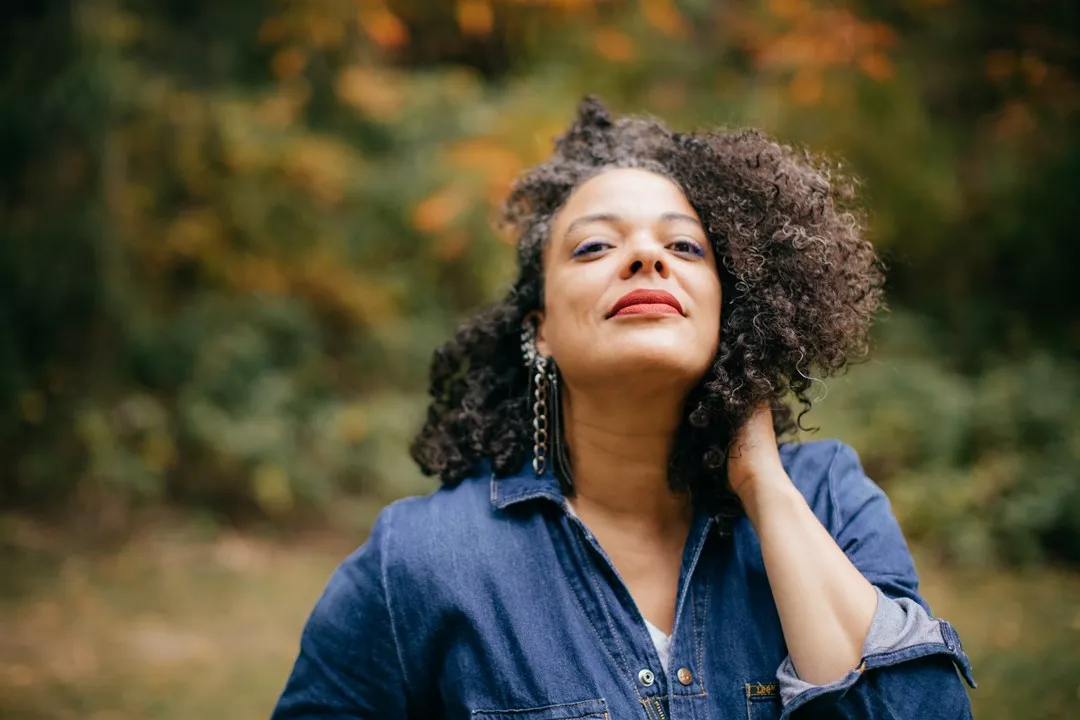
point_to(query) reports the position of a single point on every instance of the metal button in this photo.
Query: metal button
(685, 676)
(646, 677)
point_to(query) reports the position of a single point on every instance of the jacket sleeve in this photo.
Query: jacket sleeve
(912, 662)
(349, 666)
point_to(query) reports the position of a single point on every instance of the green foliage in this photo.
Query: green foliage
(982, 468)
(231, 234)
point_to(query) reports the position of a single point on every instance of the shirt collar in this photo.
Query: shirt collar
(525, 485)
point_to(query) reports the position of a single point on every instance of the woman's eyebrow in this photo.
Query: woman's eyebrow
(611, 218)
(679, 217)
(589, 219)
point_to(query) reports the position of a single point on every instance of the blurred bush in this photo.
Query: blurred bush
(231, 233)
(983, 467)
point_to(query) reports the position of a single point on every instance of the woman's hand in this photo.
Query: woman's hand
(753, 458)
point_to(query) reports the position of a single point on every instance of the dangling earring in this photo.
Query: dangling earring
(560, 460)
(538, 387)
(546, 410)
(540, 416)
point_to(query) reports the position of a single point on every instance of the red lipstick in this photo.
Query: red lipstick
(646, 302)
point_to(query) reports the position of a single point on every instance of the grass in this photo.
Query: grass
(178, 624)
(1022, 632)
(172, 625)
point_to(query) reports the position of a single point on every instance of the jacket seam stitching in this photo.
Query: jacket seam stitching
(585, 615)
(601, 701)
(386, 598)
(611, 629)
(830, 486)
(607, 619)
(699, 626)
(939, 649)
(603, 645)
(840, 685)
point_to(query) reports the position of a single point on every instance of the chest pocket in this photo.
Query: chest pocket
(763, 700)
(586, 709)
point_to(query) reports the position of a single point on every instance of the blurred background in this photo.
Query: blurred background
(231, 234)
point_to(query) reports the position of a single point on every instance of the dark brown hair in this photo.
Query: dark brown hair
(800, 288)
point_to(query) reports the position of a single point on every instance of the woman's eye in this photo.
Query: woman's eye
(688, 247)
(589, 247)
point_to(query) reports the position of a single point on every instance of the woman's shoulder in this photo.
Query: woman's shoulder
(830, 476)
(438, 515)
(425, 533)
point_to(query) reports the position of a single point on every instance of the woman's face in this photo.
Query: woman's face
(621, 232)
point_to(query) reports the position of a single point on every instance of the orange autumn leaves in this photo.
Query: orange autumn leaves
(373, 92)
(661, 16)
(804, 41)
(793, 44)
(239, 173)
(474, 17)
(485, 169)
(382, 27)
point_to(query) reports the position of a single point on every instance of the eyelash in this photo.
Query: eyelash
(584, 248)
(695, 248)
(587, 247)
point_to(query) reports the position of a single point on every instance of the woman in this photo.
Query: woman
(619, 533)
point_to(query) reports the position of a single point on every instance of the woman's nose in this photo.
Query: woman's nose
(646, 256)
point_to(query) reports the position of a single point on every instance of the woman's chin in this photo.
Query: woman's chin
(669, 360)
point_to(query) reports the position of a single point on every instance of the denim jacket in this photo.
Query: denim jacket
(489, 601)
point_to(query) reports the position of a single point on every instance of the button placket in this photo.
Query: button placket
(649, 686)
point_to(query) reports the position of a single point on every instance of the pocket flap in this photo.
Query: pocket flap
(568, 711)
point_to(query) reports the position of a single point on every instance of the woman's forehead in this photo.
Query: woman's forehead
(628, 193)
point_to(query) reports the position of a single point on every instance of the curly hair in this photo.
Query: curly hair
(800, 288)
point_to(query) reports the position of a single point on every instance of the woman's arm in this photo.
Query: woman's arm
(825, 604)
(847, 603)
(349, 666)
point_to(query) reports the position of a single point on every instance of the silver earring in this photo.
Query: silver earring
(546, 404)
(539, 387)
(540, 416)
(560, 460)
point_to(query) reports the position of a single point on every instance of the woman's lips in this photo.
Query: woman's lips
(647, 309)
(646, 302)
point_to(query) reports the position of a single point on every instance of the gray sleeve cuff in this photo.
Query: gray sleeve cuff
(898, 625)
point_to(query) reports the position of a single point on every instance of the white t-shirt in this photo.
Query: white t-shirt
(661, 641)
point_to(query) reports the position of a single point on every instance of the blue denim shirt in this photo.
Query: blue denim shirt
(490, 601)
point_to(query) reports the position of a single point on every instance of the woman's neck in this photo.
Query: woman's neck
(620, 447)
